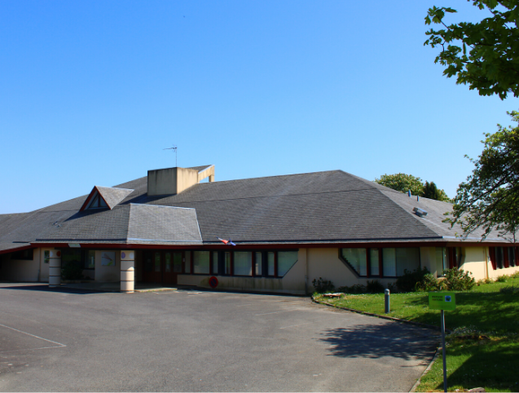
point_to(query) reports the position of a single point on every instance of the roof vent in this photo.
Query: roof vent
(419, 212)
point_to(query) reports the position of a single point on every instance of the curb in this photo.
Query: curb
(425, 325)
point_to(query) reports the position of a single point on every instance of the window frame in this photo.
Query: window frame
(380, 254)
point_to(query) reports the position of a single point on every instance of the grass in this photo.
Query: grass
(483, 346)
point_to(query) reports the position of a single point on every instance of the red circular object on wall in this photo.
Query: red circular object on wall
(213, 282)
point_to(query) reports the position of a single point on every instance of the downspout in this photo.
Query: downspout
(486, 263)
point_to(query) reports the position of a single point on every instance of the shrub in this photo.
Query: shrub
(72, 270)
(502, 279)
(355, 289)
(374, 286)
(429, 283)
(323, 286)
(458, 280)
(407, 282)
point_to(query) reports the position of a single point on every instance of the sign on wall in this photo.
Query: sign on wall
(108, 258)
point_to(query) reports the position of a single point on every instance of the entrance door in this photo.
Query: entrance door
(153, 267)
(162, 267)
(172, 266)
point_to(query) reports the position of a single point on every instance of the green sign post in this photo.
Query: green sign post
(443, 301)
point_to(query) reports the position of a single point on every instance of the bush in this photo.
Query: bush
(502, 279)
(374, 286)
(323, 286)
(355, 289)
(407, 282)
(429, 283)
(72, 270)
(457, 280)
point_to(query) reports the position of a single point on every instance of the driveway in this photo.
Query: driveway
(59, 340)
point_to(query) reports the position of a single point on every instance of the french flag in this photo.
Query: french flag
(227, 242)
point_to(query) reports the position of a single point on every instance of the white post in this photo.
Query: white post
(54, 269)
(127, 271)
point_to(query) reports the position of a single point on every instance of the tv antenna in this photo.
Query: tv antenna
(174, 148)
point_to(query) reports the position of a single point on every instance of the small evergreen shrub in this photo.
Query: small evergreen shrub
(374, 286)
(407, 282)
(458, 280)
(323, 286)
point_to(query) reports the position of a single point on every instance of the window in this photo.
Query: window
(177, 262)
(442, 261)
(157, 262)
(374, 268)
(167, 258)
(286, 259)
(97, 203)
(511, 256)
(214, 269)
(227, 262)
(271, 262)
(90, 262)
(25, 255)
(499, 257)
(356, 258)
(187, 262)
(242, 263)
(201, 261)
(385, 262)
(258, 264)
(46, 256)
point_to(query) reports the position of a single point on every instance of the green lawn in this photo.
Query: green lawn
(483, 347)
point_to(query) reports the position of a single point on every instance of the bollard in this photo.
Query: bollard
(387, 301)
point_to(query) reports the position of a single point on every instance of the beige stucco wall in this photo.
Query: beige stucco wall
(44, 267)
(475, 261)
(325, 263)
(108, 273)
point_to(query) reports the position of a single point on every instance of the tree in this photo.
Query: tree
(431, 191)
(402, 182)
(483, 55)
(490, 196)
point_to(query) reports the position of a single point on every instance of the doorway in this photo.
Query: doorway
(162, 267)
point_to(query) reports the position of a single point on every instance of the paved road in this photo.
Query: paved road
(199, 341)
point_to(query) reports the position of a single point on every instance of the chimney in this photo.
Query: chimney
(172, 181)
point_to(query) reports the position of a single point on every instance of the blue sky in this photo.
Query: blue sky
(92, 92)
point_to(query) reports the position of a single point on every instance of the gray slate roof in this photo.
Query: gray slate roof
(321, 207)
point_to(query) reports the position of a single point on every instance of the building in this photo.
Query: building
(271, 234)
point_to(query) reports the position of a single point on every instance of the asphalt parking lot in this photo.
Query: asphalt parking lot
(58, 340)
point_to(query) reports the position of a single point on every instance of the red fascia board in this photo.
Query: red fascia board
(10, 250)
(259, 246)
